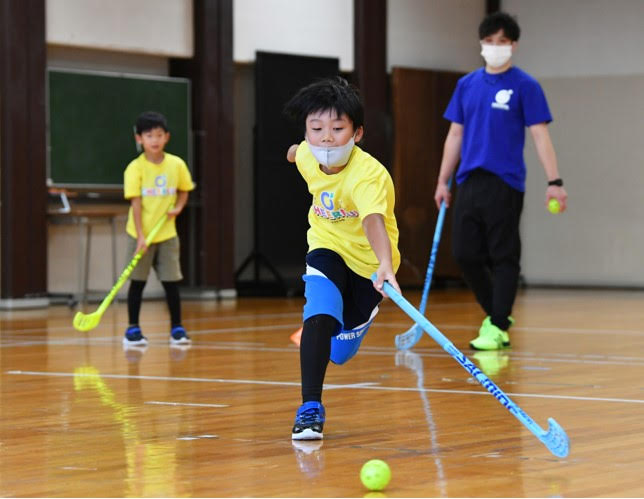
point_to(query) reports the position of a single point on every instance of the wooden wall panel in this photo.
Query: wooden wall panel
(370, 75)
(23, 192)
(211, 73)
(419, 98)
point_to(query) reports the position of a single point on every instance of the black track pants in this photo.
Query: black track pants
(486, 242)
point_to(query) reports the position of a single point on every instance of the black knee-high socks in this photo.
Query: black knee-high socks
(135, 295)
(315, 351)
(174, 302)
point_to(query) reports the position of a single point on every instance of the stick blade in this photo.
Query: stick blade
(556, 439)
(406, 340)
(86, 322)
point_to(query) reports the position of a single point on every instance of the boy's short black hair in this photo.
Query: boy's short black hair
(500, 20)
(149, 120)
(334, 93)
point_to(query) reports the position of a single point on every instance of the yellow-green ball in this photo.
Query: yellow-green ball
(553, 206)
(375, 474)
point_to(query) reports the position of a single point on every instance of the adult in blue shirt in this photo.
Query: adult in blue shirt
(489, 111)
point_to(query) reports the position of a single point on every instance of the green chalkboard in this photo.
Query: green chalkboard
(91, 118)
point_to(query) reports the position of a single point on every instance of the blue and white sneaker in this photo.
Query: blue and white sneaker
(309, 421)
(179, 337)
(134, 338)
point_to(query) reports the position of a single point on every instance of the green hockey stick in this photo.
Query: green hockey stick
(86, 322)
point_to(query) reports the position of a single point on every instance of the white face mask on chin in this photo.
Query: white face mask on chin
(496, 55)
(332, 156)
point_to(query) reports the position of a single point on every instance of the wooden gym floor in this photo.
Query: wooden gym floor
(83, 418)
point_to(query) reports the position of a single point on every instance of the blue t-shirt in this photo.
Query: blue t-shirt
(494, 110)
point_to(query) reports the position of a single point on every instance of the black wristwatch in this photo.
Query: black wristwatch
(557, 182)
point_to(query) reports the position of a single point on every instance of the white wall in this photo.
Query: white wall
(562, 38)
(597, 134)
(161, 27)
(587, 55)
(437, 34)
(59, 57)
(434, 34)
(301, 27)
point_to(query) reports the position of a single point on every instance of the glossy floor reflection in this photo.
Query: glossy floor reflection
(84, 417)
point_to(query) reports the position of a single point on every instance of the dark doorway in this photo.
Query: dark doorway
(281, 198)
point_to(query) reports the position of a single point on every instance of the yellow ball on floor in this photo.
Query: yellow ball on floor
(375, 474)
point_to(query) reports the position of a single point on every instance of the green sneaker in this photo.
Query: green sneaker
(506, 337)
(491, 337)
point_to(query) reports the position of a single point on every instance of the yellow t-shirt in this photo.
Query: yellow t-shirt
(157, 185)
(342, 200)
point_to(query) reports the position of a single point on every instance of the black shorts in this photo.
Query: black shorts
(359, 297)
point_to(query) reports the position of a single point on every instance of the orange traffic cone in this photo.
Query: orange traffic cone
(296, 337)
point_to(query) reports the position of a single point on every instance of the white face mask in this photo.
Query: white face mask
(332, 156)
(496, 55)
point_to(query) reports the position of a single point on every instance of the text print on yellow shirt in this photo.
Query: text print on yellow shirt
(329, 211)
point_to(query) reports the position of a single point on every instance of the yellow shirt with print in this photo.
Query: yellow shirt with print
(342, 200)
(157, 185)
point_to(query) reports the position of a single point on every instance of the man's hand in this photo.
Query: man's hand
(442, 194)
(558, 193)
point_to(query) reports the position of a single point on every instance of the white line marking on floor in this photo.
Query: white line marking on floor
(358, 386)
(197, 437)
(188, 404)
(354, 385)
(561, 358)
(148, 323)
(381, 324)
(531, 329)
(194, 380)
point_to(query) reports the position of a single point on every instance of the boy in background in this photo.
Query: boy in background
(489, 111)
(352, 234)
(156, 183)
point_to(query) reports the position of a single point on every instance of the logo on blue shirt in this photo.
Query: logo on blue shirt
(501, 99)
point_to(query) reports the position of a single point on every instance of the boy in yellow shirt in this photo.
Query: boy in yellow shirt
(156, 183)
(352, 234)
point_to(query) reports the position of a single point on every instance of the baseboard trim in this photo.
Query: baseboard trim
(23, 303)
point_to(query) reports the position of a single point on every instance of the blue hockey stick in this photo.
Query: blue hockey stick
(555, 439)
(407, 340)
